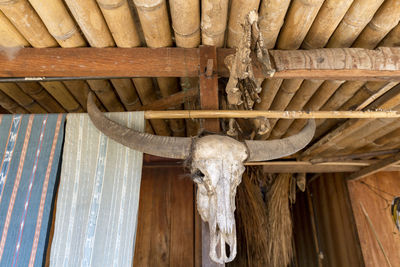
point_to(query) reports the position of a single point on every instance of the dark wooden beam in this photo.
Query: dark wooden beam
(323, 64)
(374, 168)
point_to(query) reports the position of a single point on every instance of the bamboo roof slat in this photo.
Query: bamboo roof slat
(91, 21)
(38, 93)
(79, 90)
(120, 22)
(214, 18)
(10, 105)
(106, 95)
(24, 100)
(127, 93)
(271, 17)
(392, 38)
(390, 138)
(144, 87)
(28, 23)
(377, 95)
(62, 95)
(298, 21)
(185, 15)
(357, 17)
(58, 21)
(237, 15)
(329, 16)
(9, 35)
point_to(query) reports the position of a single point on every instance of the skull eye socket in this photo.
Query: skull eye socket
(198, 176)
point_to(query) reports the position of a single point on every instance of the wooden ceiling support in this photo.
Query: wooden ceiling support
(374, 168)
(321, 64)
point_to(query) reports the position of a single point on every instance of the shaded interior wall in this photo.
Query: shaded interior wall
(336, 234)
(375, 193)
(165, 234)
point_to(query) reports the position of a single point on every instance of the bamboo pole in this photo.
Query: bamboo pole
(214, 17)
(28, 23)
(63, 96)
(392, 38)
(271, 17)
(153, 17)
(127, 93)
(38, 93)
(237, 15)
(9, 35)
(328, 18)
(185, 15)
(60, 24)
(10, 105)
(357, 17)
(299, 18)
(80, 90)
(215, 114)
(24, 100)
(144, 87)
(106, 94)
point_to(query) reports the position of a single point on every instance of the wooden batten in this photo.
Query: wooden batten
(10, 105)
(28, 23)
(271, 17)
(144, 87)
(24, 100)
(90, 20)
(214, 18)
(58, 21)
(62, 95)
(9, 35)
(237, 16)
(80, 90)
(127, 93)
(299, 18)
(120, 22)
(106, 95)
(38, 93)
(392, 138)
(328, 18)
(357, 17)
(185, 16)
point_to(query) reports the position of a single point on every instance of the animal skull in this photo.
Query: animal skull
(217, 168)
(217, 174)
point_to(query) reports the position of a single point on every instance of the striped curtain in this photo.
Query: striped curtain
(30, 148)
(97, 203)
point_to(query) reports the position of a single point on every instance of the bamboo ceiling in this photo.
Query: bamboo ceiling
(285, 24)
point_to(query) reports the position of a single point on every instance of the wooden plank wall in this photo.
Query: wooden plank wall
(165, 234)
(336, 232)
(376, 193)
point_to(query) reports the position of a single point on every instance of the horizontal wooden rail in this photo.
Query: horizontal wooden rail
(214, 114)
(324, 64)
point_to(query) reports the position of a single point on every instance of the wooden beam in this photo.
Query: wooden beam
(172, 100)
(374, 168)
(322, 64)
(214, 114)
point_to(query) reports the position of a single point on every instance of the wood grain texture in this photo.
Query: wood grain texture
(367, 191)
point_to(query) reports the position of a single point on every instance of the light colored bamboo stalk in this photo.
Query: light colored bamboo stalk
(214, 17)
(271, 17)
(10, 105)
(89, 18)
(120, 22)
(237, 16)
(144, 87)
(28, 23)
(9, 35)
(214, 114)
(185, 16)
(377, 95)
(348, 128)
(127, 93)
(41, 96)
(390, 138)
(392, 38)
(328, 18)
(62, 95)
(106, 94)
(305, 92)
(357, 17)
(80, 90)
(60, 24)
(298, 21)
(24, 100)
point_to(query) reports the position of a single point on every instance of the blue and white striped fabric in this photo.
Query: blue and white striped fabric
(30, 149)
(98, 198)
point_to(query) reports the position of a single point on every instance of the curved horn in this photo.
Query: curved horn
(162, 146)
(267, 150)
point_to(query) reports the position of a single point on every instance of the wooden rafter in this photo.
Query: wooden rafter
(328, 63)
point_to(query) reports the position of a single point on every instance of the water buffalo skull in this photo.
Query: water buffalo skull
(217, 165)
